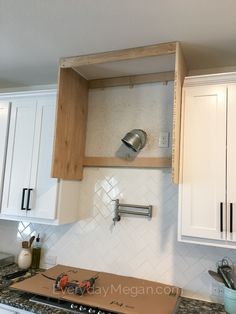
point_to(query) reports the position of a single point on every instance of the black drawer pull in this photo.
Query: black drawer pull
(231, 217)
(28, 199)
(221, 217)
(23, 199)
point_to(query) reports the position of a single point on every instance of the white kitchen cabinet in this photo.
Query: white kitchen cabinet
(28, 188)
(4, 119)
(29, 192)
(207, 191)
(231, 163)
(44, 188)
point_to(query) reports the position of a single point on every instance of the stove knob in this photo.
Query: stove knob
(73, 306)
(100, 312)
(82, 308)
(91, 311)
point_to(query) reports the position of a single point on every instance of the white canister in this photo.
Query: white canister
(25, 258)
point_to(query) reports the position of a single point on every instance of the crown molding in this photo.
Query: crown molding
(28, 91)
(219, 78)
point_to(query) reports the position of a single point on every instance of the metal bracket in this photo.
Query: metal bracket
(145, 211)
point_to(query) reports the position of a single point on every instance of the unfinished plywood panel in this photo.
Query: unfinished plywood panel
(180, 73)
(114, 111)
(148, 65)
(69, 143)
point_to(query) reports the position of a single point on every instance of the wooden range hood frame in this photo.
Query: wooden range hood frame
(72, 107)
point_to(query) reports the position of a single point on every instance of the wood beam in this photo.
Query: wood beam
(144, 162)
(69, 142)
(132, 80)
(180, 73)
(119, 55)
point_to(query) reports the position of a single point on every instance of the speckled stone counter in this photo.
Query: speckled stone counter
(21, 301)
(190, 306)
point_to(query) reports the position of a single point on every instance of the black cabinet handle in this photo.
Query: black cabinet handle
(231, 217)
(28, 199)
(221, 217)
(23, 199)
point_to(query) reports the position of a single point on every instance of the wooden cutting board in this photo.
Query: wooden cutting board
(122, 294)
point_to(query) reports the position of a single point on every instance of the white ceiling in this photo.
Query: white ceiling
(34, 34)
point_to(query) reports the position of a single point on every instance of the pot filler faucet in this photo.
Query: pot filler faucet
(139, 210)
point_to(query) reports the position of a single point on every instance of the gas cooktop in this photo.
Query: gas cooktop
(69, 306)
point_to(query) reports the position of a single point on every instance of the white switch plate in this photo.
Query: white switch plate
(50, 260)
(163, 141)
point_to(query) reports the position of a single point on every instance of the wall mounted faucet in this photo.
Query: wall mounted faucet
(139, 210)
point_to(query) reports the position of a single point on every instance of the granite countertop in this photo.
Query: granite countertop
(20, 300)
(191, 306)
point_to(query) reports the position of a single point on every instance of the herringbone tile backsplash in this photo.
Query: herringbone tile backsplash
(134, 246)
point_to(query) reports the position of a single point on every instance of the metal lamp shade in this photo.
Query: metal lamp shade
(135, 139)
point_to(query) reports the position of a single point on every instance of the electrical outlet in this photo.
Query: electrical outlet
(50, 260)
(163, 140)
(217, 289)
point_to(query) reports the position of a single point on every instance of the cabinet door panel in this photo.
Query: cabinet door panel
(231, 160)
(44, 193)
(203, 160)
(19, 155)
(4, 117)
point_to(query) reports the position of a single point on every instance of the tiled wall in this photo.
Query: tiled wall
(135, 246)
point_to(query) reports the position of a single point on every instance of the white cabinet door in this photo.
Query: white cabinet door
(231, 163)
(28, 163)
(203, 158)
(43, 197)
(19, 155)
(29, 189)
(4, 120)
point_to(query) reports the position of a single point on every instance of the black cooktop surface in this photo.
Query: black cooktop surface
(69, 306)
